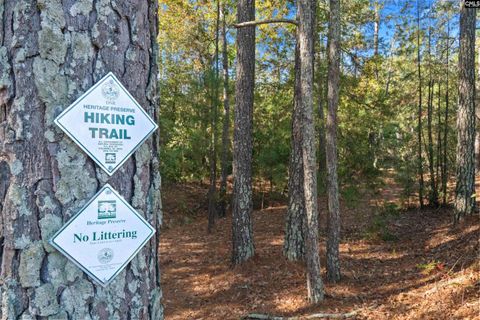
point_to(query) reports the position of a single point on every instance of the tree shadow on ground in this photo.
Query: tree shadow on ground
(199, 282)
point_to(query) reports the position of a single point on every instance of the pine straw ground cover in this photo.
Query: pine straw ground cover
(410, 265)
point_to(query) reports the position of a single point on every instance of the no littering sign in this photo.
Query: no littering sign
(103, 236)
(107, 123)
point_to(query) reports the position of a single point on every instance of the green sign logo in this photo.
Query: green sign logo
(107, 209)
(110, 158)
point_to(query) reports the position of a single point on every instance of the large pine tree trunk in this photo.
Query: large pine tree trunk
(306, 19)
(242, 233)
(333, 222)
(477, 134)
(294, 244)
(50, 53)
(465, 170)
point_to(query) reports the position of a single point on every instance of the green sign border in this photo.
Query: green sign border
(77, 263)
(72, 136)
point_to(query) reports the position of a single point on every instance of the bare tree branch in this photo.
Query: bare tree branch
(254, 23)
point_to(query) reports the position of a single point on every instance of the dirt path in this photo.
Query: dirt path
(426, 271)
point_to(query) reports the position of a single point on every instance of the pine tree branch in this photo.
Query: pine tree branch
(255, 23)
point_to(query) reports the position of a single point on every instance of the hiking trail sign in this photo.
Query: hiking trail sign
(104, 236)
(107, 123)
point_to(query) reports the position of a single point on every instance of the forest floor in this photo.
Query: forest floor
(396, 264)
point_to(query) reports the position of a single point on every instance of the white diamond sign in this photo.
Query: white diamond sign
(107, 123)
(103, 236)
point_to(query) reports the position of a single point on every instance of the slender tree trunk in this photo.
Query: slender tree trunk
(439, 139)
(226, 119)
(433, 196)
(419, 127)
(445, 145)
(477, 150)
(212, 202)
(389, 70)
(376, 29)
(465, 171)
(242, 233)
(333, 222)
(322, 157)
(445, 124)
(48, 58)
(294, 244)
(306, 19)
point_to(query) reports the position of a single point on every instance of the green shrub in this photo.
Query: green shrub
(350, 196)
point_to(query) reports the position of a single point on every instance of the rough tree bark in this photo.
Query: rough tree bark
(242, 233)
(226, 119)
(477, 134)
(333, 221)
(294, 244)
(465, 161)
(50, 53)
(306, 19)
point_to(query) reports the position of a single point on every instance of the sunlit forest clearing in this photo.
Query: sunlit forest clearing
(398, 264)
(327, 141)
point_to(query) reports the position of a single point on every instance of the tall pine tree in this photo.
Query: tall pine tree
(242, 233)
(465, 161)
(48, 58)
